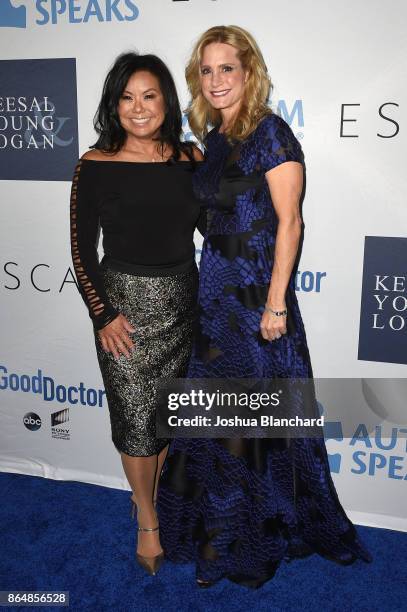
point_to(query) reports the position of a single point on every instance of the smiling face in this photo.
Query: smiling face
(141, 108)
(222, 77)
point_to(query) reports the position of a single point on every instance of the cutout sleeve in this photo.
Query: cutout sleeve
(84, 236)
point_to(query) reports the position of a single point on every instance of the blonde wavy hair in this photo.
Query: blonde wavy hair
(256, 91)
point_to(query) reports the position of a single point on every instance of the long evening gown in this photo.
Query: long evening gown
(238, 509)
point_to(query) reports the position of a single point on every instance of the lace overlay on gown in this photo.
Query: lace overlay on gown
(237, 508)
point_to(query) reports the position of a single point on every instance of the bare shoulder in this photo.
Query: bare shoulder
(95, 155)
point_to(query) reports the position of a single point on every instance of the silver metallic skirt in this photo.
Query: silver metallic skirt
(162, 310)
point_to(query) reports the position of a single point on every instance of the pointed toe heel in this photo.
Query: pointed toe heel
(150, 564)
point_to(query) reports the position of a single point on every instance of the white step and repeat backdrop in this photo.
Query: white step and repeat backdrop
(339, 77)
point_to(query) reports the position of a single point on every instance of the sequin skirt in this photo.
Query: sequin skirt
(163, 311)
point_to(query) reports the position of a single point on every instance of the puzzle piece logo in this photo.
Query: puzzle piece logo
(11, 16)
(334, 460)
(332, 431)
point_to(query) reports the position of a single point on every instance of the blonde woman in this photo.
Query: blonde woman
(237, 508)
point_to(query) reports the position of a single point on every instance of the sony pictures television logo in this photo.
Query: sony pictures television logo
(59, 430)
(383, 317)
(38, 119)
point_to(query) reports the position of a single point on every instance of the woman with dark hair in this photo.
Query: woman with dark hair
(238, 507)
(136, 183)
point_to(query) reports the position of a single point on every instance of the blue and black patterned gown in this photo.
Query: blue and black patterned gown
(238, 509)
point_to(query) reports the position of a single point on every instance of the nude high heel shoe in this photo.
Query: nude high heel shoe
(150, 564)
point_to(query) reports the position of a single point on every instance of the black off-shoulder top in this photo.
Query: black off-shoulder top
(148, 214)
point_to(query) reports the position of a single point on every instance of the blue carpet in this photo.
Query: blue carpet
(79, 538)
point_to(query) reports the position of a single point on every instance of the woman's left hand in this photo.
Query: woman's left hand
(272, 327)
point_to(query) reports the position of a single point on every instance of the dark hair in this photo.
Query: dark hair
(112, 136)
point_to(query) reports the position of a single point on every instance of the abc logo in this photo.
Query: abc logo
(32, 421)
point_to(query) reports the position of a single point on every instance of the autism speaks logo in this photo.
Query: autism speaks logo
(12, 16)
(372, 448)
(382, 452)
(13, 13)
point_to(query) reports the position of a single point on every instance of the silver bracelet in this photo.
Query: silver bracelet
(278, 313)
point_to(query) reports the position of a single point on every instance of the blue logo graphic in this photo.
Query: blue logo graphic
(383, 312)
(374, 457)
(289, 116)
(82, 11)
(332, 431)
(12, 16)
(47, 388)
(38, 120)
(52, 12)
(370, 462)
(293, 115)
(309, 281)
(304, 281)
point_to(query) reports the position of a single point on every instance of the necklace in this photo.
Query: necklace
(150, 156)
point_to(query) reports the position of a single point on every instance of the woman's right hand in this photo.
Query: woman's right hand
(115, 337)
